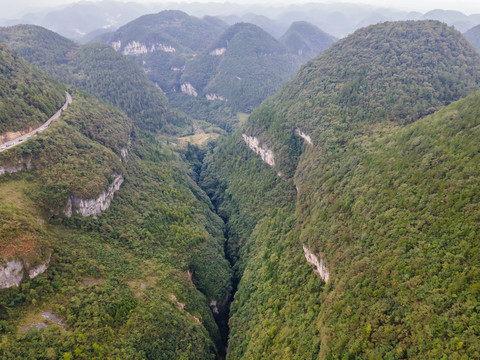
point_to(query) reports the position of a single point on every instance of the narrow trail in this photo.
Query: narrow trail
(19, 140)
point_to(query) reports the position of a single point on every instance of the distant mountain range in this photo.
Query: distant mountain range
(77, 21)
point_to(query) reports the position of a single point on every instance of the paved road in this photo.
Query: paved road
(21, 139)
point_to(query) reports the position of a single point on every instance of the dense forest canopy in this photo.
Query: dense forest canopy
(385, 196)
(337, 221)
(28, 97)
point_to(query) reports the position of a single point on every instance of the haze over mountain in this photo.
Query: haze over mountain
(306, 40)
(337, 19)
(242, 67)
(473, 35)
(162, 43)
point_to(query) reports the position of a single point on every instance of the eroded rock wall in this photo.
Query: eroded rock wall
(321, 267)
(265, 153)
(93, 207)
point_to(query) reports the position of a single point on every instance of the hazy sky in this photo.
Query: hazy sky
(10, 7)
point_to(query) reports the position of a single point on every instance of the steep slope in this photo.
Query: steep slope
(366, 79)
(162, 43)
(28, 97)
(242, 67)
(97, 69)
(306, 40)
(380, 197)
(473, 35)
(108, 248)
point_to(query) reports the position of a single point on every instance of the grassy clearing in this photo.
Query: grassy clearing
(197, 139)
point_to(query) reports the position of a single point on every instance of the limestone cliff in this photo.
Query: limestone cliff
(11, 271)
(93, 207)
(265, 153)
(321, 267)
(188, 89)
(304, 136)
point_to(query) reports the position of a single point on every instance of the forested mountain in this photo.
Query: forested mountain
(242, 67)
(28, 97)
(108, 248)
(306, 40)
(339, 220)
(473, 35)
(363, 183)
(96, 68)
(162, 43)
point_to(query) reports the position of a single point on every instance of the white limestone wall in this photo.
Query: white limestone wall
(93, 207)
(265, 153)
(304, 136)
(218, 52)
(138, 48)
(11, 271)
(188, 89)
(321, 267)
(213, 97)
(11, 274)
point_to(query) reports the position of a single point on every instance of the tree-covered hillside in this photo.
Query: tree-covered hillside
(233, 74)
(306, 40)
(134, 281)
(383, 194)
(162, 43)
(98, 69)
(28, 97)
(244, 66)
(387, 74)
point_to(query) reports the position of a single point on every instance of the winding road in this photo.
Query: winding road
(19, 140)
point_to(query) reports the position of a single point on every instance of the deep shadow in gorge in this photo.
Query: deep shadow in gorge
(194, 157)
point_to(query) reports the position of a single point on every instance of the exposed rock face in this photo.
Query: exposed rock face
(22, 165)
(137, 48)
(218, 52)
(181, 306)
(188, 89)
(39, 269)
(124, 151)
(213, 305)
(116, 45)
(321, 267)
(213, 97)
(305, 137)
(94, 207)
(50, 317)
(265, 153)
(12, 135)
(11, 274)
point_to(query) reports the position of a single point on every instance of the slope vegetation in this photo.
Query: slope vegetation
(162, 43)
(244, 66)
(95, 68)
(28, 97)
(132, 281)
(306, 40)
(376, 179)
